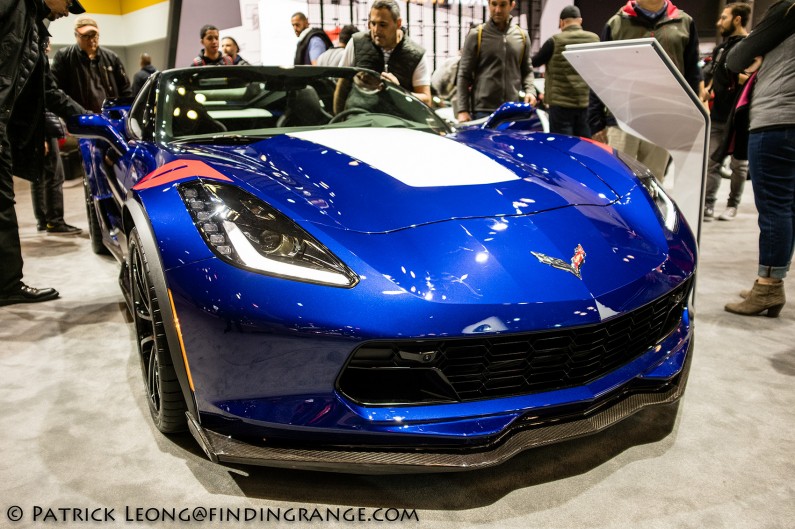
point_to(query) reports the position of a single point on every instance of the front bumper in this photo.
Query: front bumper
(525, 433)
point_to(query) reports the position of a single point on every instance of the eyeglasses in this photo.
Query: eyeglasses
(88, 36)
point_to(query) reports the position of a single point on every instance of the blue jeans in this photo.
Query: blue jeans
(771, 162)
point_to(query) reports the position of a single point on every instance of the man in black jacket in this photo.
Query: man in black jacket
(143, 74)
(88, 73)
(22, 103)
(724, 88)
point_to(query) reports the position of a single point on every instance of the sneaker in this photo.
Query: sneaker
(63, 229)
(709, 214)
(728, 214)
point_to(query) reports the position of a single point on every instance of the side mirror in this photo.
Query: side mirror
(96, 126)
(514, 116)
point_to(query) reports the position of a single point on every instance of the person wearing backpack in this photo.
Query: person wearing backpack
(495, 65)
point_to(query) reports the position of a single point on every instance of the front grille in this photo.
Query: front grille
(466, 369)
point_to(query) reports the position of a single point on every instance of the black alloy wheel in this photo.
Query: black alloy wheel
(163, 393)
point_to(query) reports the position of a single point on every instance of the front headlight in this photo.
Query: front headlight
(245, 231)
(665, 205)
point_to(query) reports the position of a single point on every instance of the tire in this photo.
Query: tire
(163, 392)
(94, 228)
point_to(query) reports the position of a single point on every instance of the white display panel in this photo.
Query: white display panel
(650, 98)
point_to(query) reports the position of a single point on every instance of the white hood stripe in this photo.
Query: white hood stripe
(418, 159)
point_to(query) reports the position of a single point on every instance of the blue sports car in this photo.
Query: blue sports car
(323, 274)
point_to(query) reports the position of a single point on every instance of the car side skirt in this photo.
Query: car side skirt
(221, 448)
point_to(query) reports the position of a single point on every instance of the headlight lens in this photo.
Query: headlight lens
(245, 231)
(664, 204)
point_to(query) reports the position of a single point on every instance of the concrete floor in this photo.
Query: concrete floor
(75, 431)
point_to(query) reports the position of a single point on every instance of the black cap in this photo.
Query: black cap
(75, 8)
(570, 12)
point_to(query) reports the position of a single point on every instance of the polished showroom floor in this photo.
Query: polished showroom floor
(75, 433)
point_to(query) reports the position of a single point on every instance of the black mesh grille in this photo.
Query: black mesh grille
(464, 369)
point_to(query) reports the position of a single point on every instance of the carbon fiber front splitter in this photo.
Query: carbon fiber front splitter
(222, 448)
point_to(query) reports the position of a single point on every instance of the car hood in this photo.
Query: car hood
(581, 253)
(373, 180)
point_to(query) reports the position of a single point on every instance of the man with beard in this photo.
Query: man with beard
(725, 87)
(312, 42)
(495, 65)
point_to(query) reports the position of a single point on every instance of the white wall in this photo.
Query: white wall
(272, 41)
(144, 25)
(276, 34)
(550, 17)
(128, 35)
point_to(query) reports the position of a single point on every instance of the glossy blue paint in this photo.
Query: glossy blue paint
(325, 418)
(441, 261)
(420, 297)
(336, 187)
(328, 413)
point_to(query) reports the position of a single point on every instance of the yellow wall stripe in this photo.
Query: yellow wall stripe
(102, 7)
(128, 6)
(116, 7)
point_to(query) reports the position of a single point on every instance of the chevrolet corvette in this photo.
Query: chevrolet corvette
(323, 274)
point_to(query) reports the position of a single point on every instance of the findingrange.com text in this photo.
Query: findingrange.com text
(201, 514)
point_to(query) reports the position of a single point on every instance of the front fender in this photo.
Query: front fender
(136, 216)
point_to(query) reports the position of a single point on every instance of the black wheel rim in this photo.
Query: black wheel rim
(143, 314)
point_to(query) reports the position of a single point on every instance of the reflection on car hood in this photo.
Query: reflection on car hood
(578, 253)
(378, 180)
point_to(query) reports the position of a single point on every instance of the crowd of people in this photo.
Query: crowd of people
(494, 66)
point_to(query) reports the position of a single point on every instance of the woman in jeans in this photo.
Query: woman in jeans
(771, 151)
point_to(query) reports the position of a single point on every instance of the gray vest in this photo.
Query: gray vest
(402, 62)
(563, 86)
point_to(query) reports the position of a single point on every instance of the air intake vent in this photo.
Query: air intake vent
(466, 369)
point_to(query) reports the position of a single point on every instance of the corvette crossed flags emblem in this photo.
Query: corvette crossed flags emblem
(573, 266)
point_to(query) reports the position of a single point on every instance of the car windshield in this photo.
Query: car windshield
(236, 103)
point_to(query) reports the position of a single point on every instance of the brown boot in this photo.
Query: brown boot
(761, 298)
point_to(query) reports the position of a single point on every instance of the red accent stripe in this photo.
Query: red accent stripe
(179, 170)
(599, 144)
